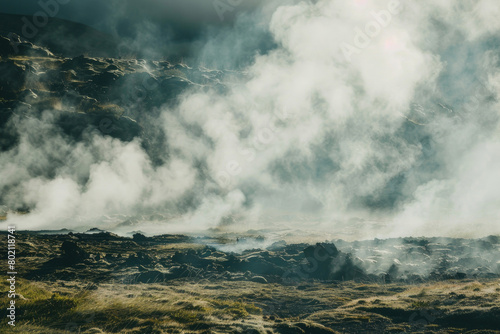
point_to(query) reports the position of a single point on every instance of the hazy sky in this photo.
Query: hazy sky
(184, 16)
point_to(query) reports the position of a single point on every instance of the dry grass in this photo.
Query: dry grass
(194, 306)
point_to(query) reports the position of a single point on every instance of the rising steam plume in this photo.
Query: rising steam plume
(375, 118)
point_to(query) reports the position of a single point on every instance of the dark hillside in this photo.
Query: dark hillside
(61, 36)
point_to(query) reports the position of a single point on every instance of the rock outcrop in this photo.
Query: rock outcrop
(326, 262)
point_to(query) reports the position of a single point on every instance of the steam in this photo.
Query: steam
(402, 135)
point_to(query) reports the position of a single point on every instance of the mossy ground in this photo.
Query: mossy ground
(201, 306)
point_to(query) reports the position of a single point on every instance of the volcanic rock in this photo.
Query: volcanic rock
(192, 258)
(138, 237)
(72, 253)
(14, 45)
(11, 77)
(327, 263)
(139, 258)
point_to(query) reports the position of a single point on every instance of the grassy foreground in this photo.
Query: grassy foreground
(201, 306)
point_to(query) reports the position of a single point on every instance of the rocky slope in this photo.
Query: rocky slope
(62, 37)
(109, 95)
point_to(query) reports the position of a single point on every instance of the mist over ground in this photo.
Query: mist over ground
(358, 119)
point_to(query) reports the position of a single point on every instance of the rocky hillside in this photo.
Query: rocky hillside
(109, 95)
(63, 37)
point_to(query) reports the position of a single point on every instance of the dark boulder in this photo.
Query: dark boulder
(192, 258)
(260, 266)
(392, 273)
(138, 237)
(326, 262)
(71, 252)
(139, 259)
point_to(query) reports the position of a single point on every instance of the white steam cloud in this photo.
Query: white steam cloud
(383, 112)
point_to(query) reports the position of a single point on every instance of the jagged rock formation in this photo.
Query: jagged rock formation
(386, 261)
(109, 95)
(14, 45)
(300, 288)
(72, 253)
(327, 263)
